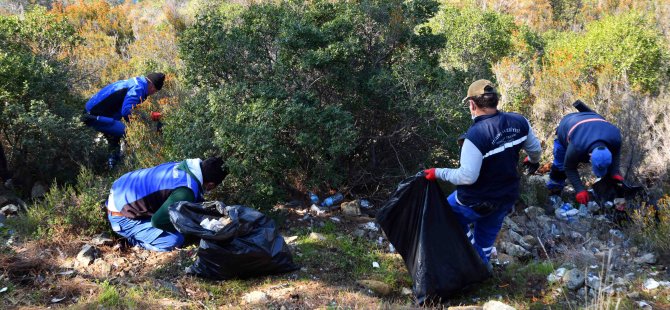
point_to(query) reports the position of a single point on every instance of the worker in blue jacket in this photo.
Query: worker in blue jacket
(584, 137)
(487, 182)
(115, 101)
(138, 202)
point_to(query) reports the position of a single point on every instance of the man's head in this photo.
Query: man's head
(601, 159)
(155, 80)
(482, 98)
(213, 172)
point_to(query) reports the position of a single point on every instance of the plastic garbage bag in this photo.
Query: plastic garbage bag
(247, 246)
(420, 224)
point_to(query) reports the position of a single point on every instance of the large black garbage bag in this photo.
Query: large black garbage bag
(247, 246)
(422, 227)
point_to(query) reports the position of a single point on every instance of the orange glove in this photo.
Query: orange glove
(430, 174)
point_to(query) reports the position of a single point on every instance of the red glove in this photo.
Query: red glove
(156, 116)
(617, 177)
(582, 197)
(430, 174)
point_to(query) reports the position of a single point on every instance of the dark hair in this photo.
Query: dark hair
(157, 79)
(486, 100)
(213, 170)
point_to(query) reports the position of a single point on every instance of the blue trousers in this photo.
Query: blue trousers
(140, 232)
(109, 126)
(481, 230)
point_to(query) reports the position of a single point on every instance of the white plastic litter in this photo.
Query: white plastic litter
(4, 289)
(375, 265)
(651, 284)
(371, 226)
(213, 224)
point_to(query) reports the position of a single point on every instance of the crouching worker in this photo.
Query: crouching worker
(138, 202)
(584, 137)
(487, 180)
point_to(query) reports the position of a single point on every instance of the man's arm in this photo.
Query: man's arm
(133, 98)
(468, 172)
(161, 218)
(532, 146)
(571, 162)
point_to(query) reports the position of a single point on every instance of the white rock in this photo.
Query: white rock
(255, 297)
(644, 305)
(375, 265)
(648, 258)
(406, 291)
(290, 239)
(371, 226)
(651, 284)
(496, 305)
(593, 282)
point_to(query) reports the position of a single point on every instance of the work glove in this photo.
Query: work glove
(156, 116)
(617, 177)
(582, 197)
(430, 174)
(530, 167)
(88, 119)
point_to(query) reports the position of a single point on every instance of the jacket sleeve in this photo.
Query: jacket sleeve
(532, 146)
(616, 162)
(571, 162)
(133, 98)
(468, 172)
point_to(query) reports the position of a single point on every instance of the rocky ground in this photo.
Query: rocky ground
(543, 260)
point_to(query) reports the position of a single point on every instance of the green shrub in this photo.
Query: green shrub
(314, 95)
(68, 210)
(651, 227)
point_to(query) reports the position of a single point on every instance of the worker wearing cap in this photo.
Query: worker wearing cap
(584, 137)
(105, 109)
(487, 182)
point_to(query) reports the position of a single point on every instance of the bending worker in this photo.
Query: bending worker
(487, 180)
(138, 202)
(583, 137)
(105, 109)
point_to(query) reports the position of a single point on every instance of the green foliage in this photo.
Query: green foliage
(42, 136)
(651, 227)
(303, 95)
(68, 210)
(628, 43)
(475, 39)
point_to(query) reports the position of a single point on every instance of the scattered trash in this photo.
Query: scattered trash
(617, 233)
(557, 275)
(406, 291)
(57, 299)
(291, 239)
(643, 305)
(391, 248)
(65, 273)
(4, 289)
(212, 224)
(317, 210)
(651, 284)
(365, 204)
(335, 219)
(313, 198)
(332, 200)
(371, 226)
(375, 265)
(566, 212)
(583, 211)
(619, 204)
(380, 241)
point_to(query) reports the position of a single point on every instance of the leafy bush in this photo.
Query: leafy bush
(651, 226)
(314, 95)
(70, 210)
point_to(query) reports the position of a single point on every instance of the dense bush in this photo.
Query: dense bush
(40, 131)
(316, 95)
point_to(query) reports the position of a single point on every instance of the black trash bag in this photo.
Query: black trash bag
(607, 189)
(247, 246)
(420, 224)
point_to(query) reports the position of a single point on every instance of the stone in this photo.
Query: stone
(505, 259)
(648, 258)
(377, 287)
(255, 297)
(359, 233)
(38, 191)
(593, 207)
(496, 305)
(290, 239)
(465, 308)
(534, 212)
(351, 208)
(87, 254)
(644, 305)
(511, 225)
(514, 250)
(531, 240)
(574, 279)
(516, 238)
(593, 282)
(102, 239)
(406, 291)
(317, 236)
(633, 295)
(102, 267)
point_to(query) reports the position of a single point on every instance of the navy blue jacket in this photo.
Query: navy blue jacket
(580, 133)
(499, 137)
(117, 100)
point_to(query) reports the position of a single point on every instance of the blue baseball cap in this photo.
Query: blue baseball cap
(601, 158)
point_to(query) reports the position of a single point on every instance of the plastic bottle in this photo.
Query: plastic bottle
(364, 204)
(332, 200)
(313, 198)
(566, 212)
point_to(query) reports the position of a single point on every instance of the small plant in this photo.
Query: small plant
(651, 226)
